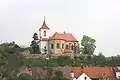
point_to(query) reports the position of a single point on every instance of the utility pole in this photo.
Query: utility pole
(74, 61)
(47, 58)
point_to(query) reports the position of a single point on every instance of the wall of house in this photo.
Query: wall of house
(82, 77)
(118, 75)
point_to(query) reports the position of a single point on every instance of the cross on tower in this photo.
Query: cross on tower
(44, 18)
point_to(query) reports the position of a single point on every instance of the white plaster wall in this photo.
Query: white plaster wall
(55, 50)
(60, 50)
(41, 33)
(82, 77)
(43, 44)
(118, 74)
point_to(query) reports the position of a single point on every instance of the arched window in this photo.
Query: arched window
(58, 45)
(52, 46)
(44, 33)
(67, 47)
(72, 47)
(62, 46)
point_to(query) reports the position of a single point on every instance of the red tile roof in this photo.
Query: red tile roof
(64, 36)
(44, 26)
(95, 72)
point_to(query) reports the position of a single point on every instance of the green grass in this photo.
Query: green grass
(41, 63)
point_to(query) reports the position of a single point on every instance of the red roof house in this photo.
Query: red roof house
(95, 72)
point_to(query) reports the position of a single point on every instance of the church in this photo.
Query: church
(58, 43)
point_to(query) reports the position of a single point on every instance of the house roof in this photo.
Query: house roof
(95, 72)
(63, 36)
(44, 26)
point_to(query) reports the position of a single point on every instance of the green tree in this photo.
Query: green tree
(64, 61)
(34, 48)
(88, 45)
(99, 60)
(58, 75)
(35, 36)
(10, 61)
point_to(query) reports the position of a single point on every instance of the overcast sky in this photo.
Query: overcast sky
(99, 19)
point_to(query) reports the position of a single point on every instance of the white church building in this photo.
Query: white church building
(57, 43)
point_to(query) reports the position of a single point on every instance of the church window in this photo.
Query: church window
(62, 46)
(58, 45)
(52, 46)
(44, 33)
(69, 45)
(72, 47)
(66, 46)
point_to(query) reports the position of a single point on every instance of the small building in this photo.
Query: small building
(96, 73)
(117, 70)
(83, 76)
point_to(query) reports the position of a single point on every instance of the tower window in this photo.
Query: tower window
(72, 47)
(58, 45)
(52, 46)
(44, 33)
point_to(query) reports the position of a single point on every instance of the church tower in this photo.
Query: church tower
(44, 30)
(44, 37)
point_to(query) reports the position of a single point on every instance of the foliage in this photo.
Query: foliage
(60, 61)
(94, 60)
(64, 61)
(35, 62)
(88, 45)
(58, 76)
(34, 46)
(76, 49)
(25, 77)
(35, 36)
(10, 61)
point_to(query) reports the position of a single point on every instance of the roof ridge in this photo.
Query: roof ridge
(44, 26)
